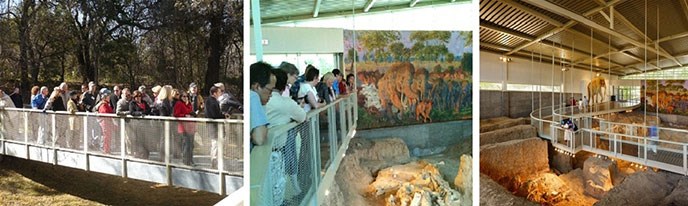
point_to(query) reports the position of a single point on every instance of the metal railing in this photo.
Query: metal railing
(629, 142)
(150, 148)
(298, 163)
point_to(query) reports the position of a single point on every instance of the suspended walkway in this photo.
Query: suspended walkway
(629, 142)
(142, 148)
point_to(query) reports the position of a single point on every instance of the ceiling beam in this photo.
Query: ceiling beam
(530, 11)
(564, 12)
(368, 6)
(625, 21)
(684, 6)
(493, 27)
(344, 12)
(497, 28)
(568, 24)
(316, 10)
(495, 46)
(637, 59)
(672, 37)
(413, 3)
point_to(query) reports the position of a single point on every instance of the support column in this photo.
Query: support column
(257, 29)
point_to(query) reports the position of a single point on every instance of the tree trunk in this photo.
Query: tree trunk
(23, 49)
(217, 47)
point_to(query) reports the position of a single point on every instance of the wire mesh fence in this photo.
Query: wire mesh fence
(188, 143)
(290, 168)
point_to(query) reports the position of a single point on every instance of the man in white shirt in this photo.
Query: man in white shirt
(282, 110)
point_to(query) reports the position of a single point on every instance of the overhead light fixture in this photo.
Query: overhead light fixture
(413, 3)
(369, 5)
(505, 59)
(598, 74)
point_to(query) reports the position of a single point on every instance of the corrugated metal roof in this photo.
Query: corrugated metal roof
(630, 20)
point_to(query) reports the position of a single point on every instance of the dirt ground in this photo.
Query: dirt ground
(25, 182)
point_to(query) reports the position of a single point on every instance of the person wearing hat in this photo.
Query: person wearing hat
(106, 124)
(144, 96)
(227, 100)
(154, 103)
(195, 99)
(72, 108)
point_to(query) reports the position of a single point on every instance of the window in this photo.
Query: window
(629, 93)
(490, 86)
(324, 62)
(679, 73)
(518, 87)
(521, 87)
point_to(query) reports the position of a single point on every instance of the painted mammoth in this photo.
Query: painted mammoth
(595, 88)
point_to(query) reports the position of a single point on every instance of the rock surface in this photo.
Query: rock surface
(492, 193)
(511, 163)
(361, 154)
(464, 179)
(641, 188)
(547, 189)
(496, 123)
(507, 134)
(574, 180)
(679, 196)
(598, 175)
(416, 183)
(562, 162)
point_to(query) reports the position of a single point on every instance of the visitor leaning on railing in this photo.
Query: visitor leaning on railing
(5, 100)
(262, 82)
(280, 111)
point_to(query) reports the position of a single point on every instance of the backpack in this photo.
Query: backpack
(294, 89)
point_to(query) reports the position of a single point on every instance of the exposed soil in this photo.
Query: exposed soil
(25, 182)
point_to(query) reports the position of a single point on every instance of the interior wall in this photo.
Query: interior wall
(525, 71)
(282, 40)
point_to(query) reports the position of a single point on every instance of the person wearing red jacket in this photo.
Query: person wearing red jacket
(106, 123)
(186, 130)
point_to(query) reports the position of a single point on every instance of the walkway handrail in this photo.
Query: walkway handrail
(318, 147)
(125, 142)
(675, 154)
(151, 117)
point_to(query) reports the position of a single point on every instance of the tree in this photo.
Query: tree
(377, 41)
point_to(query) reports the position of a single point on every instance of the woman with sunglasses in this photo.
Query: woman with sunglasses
(186, 130)
(138, 108)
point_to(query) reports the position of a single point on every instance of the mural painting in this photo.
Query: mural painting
(410, 77)
(670, 96)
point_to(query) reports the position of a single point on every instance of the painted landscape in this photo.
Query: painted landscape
(410, 77)
(672, 97)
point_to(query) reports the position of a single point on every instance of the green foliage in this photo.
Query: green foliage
(122, 41)
(467, 62)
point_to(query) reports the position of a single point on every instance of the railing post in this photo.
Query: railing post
(645, 150)
(332, 130)
(168, 169)
(123, 146)
(343, 118)
(615, 144)
(685, 160)
(54, 122)
(315, 154)
(26, 134)
(221, 156)
(86, 158)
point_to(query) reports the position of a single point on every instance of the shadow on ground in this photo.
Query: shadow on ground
(49, 183)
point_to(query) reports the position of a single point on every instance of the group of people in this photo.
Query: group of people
(165, 101)
(581, 103)
(279, 96)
